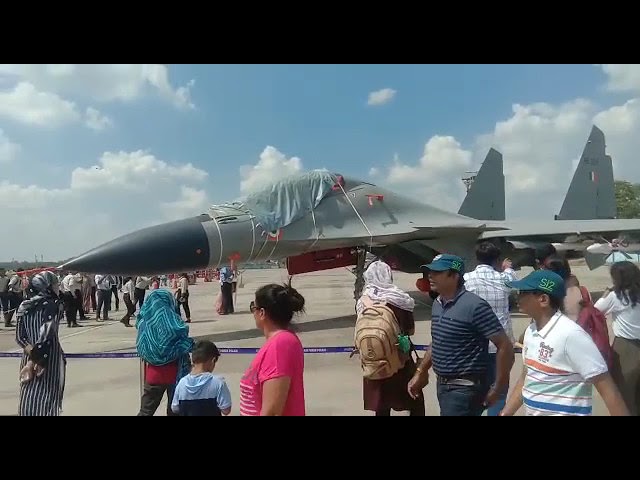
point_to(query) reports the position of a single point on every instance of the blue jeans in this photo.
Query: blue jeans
(461, 400)
(495, 409)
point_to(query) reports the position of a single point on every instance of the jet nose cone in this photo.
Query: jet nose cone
(171, 247)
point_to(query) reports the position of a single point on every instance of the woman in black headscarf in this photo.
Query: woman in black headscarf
(43, 366)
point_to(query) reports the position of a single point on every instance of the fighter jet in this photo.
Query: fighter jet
(316, 212)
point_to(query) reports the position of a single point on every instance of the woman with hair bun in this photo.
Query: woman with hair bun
(273, 384)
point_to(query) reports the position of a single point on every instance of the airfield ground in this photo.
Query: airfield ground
(333, 381)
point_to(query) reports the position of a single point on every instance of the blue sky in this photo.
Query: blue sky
(318, 113)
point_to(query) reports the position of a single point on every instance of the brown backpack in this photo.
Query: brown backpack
(376, 341)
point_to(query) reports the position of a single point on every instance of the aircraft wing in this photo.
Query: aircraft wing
(558, 231)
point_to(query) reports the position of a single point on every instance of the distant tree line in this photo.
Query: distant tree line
(627, 199)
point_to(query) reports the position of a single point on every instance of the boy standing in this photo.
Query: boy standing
(561, 362)
(202, 394)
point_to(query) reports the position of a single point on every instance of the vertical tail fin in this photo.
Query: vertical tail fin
(591, 194)
(485, 199)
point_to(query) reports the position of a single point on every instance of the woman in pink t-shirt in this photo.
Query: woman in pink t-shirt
(273, 384)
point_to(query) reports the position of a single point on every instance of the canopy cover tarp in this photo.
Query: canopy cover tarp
(288, 199)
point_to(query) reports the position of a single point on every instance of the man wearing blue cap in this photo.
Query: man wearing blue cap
(561, 362)
(462, 324)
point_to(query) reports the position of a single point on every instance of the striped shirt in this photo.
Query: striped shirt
(488, 283)
(460, 331)
(560, 360)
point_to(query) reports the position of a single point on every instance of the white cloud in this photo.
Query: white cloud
(40, 95)
(540, 143)
(132, 171)
(622, 78)
(430, 179)
(381, 97)
(191, 202)
(103, 82)
(271, 166)
(8, 149)
(621, 125)
(99, 203)
(96, 120)
(25, 104)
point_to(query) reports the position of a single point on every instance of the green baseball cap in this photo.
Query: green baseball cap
(444, 262)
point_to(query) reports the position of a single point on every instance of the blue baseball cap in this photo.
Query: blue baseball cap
(544, 281)
(444, 262)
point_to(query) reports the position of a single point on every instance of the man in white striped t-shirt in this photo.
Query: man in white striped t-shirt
(561, 362)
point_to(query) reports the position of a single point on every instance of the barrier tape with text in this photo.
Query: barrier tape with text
(223, 350)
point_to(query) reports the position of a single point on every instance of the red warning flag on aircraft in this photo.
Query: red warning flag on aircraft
(377, 197)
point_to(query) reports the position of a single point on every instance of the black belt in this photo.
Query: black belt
(461, 380)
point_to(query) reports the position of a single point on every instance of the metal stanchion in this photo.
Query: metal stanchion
(142, 377)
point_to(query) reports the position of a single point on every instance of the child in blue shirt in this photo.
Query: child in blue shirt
(201, 393)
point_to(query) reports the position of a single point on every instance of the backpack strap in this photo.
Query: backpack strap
(586, 297)
(414, 350)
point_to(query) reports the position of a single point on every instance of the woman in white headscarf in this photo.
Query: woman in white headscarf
(382, 396)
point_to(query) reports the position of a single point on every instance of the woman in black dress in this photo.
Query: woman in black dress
(43, 366)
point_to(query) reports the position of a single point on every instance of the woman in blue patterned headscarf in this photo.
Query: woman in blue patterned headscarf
(43, 366)
(164, 345)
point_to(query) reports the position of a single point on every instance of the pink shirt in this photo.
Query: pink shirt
(282, 355)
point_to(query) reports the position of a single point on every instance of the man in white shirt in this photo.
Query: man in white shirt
(103, 286)
(4, 296)
(128, 294)
(182, 296)
(141, 286)
(489, 283)
(71, 283)
(14, 297)
(561, 362)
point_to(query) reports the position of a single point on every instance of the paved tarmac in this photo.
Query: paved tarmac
(333, 382)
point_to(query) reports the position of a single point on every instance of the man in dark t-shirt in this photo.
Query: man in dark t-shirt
(462, 324)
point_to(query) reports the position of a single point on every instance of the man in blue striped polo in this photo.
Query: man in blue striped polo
(462, 324)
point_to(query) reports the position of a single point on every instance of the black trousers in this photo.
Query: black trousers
(114, 290)
(104, 302)
(185, 306)
(70, 308)
(10, 304)
(151, 398)
(139, 294)
(227, 297)
(77, 295)
(131, 308)
(94, 301)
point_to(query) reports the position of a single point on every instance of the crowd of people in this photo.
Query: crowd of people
(471, 353)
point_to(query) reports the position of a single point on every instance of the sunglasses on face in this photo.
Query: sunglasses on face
(531, 293)
(252, 307)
